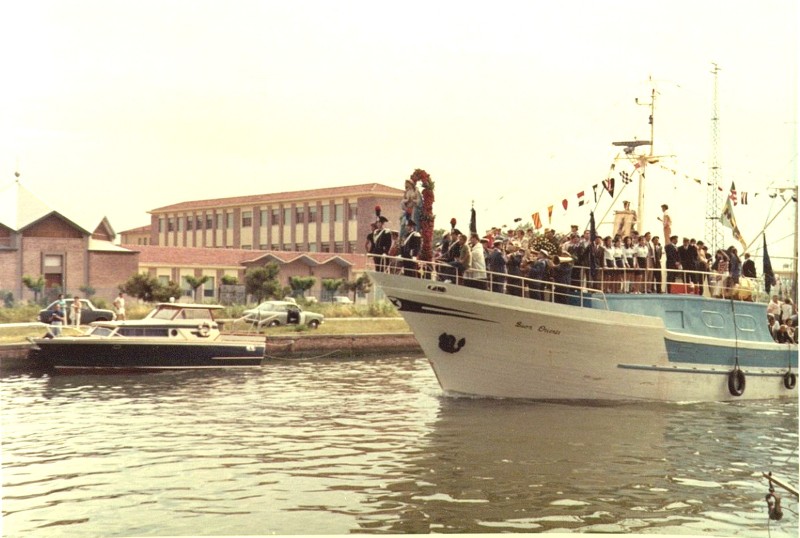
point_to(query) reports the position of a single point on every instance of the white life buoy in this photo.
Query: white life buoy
(204, 329)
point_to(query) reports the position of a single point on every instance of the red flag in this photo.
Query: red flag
(537, 222)
(580, 199)
(732, 195)
(564, 203)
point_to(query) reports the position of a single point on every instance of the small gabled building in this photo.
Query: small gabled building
(39, 241)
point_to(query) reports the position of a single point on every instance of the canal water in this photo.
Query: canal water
(373, 446)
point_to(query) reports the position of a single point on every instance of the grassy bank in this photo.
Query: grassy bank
(339, 319)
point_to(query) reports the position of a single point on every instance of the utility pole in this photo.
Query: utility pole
(713, 235)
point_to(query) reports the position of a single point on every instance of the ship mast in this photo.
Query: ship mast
(640, 201)
(712, 232)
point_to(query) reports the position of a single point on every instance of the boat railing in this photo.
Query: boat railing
(579, 285)
(578, 294)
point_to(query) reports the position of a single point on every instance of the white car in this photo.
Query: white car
(341, 299)
(274, 313)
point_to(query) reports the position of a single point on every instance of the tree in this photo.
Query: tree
(150, 289)
(35, 285)
(330, 285)
(88, 291)
(362, 285)
(301, 284)
(229, 280)
(141, 286)
(195, 283)
(262, 282)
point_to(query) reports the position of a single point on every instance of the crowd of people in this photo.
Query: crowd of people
(550, 265)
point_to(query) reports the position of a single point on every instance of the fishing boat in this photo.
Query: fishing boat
(579, 342)
(596, 346)
(172, 336)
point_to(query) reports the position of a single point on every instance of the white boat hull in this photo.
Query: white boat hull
(495, 345)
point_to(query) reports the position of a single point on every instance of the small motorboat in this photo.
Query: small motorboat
(172, 336)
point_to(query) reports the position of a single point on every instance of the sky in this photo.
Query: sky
(113, 108)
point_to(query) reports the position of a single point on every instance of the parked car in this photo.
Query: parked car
(342, 299)
(274, 313)
(89, 312)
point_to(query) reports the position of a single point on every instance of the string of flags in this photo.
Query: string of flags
(626, 177)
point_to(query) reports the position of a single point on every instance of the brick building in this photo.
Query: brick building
(174, 264)
(36, 240)
(331, 220)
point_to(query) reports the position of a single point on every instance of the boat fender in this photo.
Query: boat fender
(204, 329)
(736, 382)
(789, 380)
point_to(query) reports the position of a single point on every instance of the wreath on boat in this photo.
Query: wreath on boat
(426, 216)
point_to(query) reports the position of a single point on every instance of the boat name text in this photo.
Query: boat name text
(542, 328)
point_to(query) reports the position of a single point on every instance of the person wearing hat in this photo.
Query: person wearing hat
(673, 261)
(382, 243)
(409, 249)
(496, 264)
(538, 272)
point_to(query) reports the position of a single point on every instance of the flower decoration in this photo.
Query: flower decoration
(427, 217)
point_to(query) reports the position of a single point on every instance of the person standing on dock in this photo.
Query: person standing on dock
(119, 305)
(75, 312)
(666, 221)
(56, 319)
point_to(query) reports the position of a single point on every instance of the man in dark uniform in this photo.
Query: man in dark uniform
(410, 248)
(381, 243)
(658, 251)
(748, 267)
(673, 260)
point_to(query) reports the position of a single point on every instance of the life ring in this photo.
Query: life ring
(204, 329)
(736, 382)
(789, 380)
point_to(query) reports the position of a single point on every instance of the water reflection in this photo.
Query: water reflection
(372, 446)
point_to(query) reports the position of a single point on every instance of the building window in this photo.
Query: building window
(276, 217)
(247, 247)
(186, 289)
(287, 216)
(299, 215)
(220, 220)
(298, 247)
(338, 246)
(263, 246)
(170, 224)
(351, 246)
(339, 212)
(263, 215)
(229, 220)
(163, 280)
(312, 214)
(312, 247)
(325, 247)
(352, 211)
(198, 222)
(160, 225)
(247, 219)
(326, 213)
(287, 247)
(275, 246)
(189, 223)
(209, 221)
(209, 288)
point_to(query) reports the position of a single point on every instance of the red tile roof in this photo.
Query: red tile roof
(367, 189)
(229, 257)
(141, 229)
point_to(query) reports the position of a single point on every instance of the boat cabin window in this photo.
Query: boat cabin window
(745, 322)
(101, 331)
(143, 331)
(198, 313)
(166, 312)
